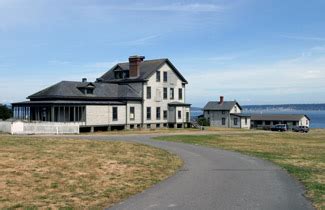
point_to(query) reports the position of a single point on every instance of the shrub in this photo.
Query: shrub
(203, 122)
(5, 112)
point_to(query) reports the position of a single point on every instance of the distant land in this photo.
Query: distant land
(284, 107)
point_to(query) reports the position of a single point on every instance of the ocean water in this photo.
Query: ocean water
(317, 118)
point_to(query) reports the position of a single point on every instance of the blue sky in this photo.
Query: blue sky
(257, 52)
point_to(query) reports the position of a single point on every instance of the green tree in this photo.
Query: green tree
(5, 112)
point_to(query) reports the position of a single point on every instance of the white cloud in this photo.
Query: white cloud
(174, 7)
(136, 42)
(306, 38)
(288, 80)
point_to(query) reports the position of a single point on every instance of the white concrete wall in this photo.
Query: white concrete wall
(215, 118)
(50, 128)
(243, 125)
(97, 115)
(232, 120)
(138, 112)
(183, 114)
(304, 122)
(5, 127)
(19, 127)
(103, 115)
(121, 115)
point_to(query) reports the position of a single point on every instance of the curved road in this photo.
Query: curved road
(216, 179)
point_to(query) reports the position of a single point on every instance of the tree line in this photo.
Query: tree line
(5, 112)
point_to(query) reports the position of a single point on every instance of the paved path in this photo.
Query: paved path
(216, 179)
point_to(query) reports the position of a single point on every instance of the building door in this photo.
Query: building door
(187, 117)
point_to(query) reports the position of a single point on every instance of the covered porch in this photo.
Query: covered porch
(49, 111)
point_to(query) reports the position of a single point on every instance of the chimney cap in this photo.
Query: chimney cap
(137, 57)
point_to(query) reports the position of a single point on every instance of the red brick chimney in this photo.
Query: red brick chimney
(221, 99)
(134, 62)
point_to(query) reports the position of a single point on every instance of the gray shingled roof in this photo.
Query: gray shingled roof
(175, 103)
(147, 68)
(68, 102)
(277, 117)
(217, 106)
(109, 91)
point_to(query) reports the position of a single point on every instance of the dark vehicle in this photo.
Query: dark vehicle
(279, 127)
(303, 129)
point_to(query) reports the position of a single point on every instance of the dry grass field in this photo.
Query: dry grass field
(52, 173)
(302, 155)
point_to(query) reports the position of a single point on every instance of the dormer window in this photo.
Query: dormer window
(87, 88)
(121, 74)
(89, 91)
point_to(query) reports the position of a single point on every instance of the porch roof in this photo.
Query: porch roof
(66, 102)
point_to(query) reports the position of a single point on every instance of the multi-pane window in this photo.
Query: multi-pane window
(171, 93)
(179, 114)
(158, 113)
(115, 114)
(132, 113)
(165, 93)
(148, 113)
(165, 76)
(223, 121)
(235, 121)
(180, 93)
(165, 115)
(148, 92)
(158, 76)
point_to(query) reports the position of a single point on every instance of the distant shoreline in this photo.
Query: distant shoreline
(277, 107)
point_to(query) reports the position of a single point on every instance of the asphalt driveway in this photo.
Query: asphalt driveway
(216, 179)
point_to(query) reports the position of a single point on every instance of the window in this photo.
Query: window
(148, 125)
(148, 113)
(89, 91)
(223, 112)
(165, 125)
(157, 125)
(158, 76)
(223, 121)
(165, 76)
(158, 113)
(165, 93)
(245, 120)
(171, 93)
(179, 114)
(165, 115)
(180, 94)
(114, 113)
(132, 114)
(235, 121)
(148, 92)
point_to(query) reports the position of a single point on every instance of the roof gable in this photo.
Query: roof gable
(217, 106)
(147, 69)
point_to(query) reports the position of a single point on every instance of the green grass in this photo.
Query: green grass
(302, 155)
(40, 172)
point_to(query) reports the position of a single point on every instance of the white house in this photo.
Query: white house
(135, 94)
(226, 114)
